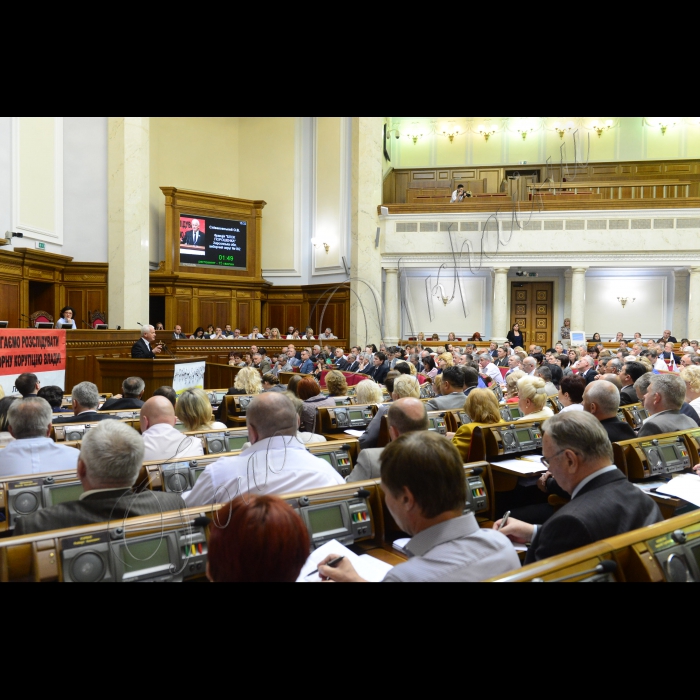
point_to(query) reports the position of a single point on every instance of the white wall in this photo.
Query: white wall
(5, 174)
(648, 315)
(447, 319)
(85, 188)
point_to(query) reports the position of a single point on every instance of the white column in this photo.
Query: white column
(499, 309)
(679, 325)
(128, 217)
(367, 183)
(694, 304)
(567, 296)
(392, 305)
(578, 299)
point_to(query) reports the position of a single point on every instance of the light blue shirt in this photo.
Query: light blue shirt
(36, 456)
(63, 323)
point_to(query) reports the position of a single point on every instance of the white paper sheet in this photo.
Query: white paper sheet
(686, 487)
(367, 567)
(517, 466)
(355, 433)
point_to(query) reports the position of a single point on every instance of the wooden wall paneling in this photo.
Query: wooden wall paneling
(244, 316)
(95, 301)
(76, 299)
(183, 315)
(402, 180)
(293, 317)
(389, 187)
(493, 176)
(222, 313)
(207, 313)
(532, 308)
(275, 316)
(9, 303)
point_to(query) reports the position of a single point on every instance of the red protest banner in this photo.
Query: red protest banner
(28, 350)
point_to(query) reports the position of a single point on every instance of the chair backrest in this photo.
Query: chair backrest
(40, 317)
(98, 318)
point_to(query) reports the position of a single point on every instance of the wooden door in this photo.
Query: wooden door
(531, 307)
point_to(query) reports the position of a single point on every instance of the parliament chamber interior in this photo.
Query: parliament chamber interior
(347, 349)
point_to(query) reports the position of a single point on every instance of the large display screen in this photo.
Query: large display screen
(207, 242)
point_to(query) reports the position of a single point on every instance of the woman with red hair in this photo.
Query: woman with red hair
(310, 393)
(257, 539)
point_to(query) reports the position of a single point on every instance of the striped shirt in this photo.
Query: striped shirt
(456, 551)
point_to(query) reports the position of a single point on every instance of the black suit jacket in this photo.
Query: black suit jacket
(379, 373)
(122, 405)
(182, 336)
(139, 351)
(87, 417)
(590, 376)
(628, 396)
(617, 430)
(688, 410)
(353, 367)
(670, 340)
(607, 506)
(111, 506)
(671, 355)
(189, 238)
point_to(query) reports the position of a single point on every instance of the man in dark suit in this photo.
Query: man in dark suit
(86, 400)
(179, 335)
(132, 391)
(602, 400)
(195, 236)
(668, 338)
(141, 350)
(110, 460)
(630, 373)
(403, 416)
(603, 502)
(380, 369)
(585, 370)
(352, 364)
(669, 354)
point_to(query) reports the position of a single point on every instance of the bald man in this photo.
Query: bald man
(602, 399)
(160, 438)
(276, 463)
(404, 416)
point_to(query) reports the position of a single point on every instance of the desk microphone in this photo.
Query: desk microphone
(139, 324)
(477, 471)
(307, 500)
(86, 323)
(608, 566)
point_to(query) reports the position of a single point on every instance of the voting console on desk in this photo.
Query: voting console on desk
(346, 517)
(216, 398)
(71, 432)
(477, 493)
(437, 422)
(511, 413)
(220, 442)
(332, 420)
(507, 440)
(167, 555)
(178, 475)
(635, 415)
(23, 497)
(338, 457)
(677, 553)
(645, 458)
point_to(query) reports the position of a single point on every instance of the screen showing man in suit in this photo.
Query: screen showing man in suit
(212, 242)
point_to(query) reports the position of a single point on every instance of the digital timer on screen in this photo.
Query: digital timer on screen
(208, 242)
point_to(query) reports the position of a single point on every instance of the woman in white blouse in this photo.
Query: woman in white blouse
(691, 377)
(571, 393)
(67, 319)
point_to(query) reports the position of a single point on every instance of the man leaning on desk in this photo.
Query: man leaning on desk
(141, 349)
(603, 503)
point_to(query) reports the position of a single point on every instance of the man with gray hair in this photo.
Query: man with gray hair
(407, 415)
(109, 463)
(602, 400)
(663, 401)
(276, 463)
(33, 451)
(86, 400)
(603, 504)
(142, 350)
(488, 370)
(129, 399)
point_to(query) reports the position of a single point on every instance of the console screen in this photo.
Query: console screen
(326, 520)
(150, 554)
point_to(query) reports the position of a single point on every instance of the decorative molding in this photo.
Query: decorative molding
(563, 259)
(72, 277)
(33, 232)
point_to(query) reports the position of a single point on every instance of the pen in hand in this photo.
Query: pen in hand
(333, 564)
(504, 522)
